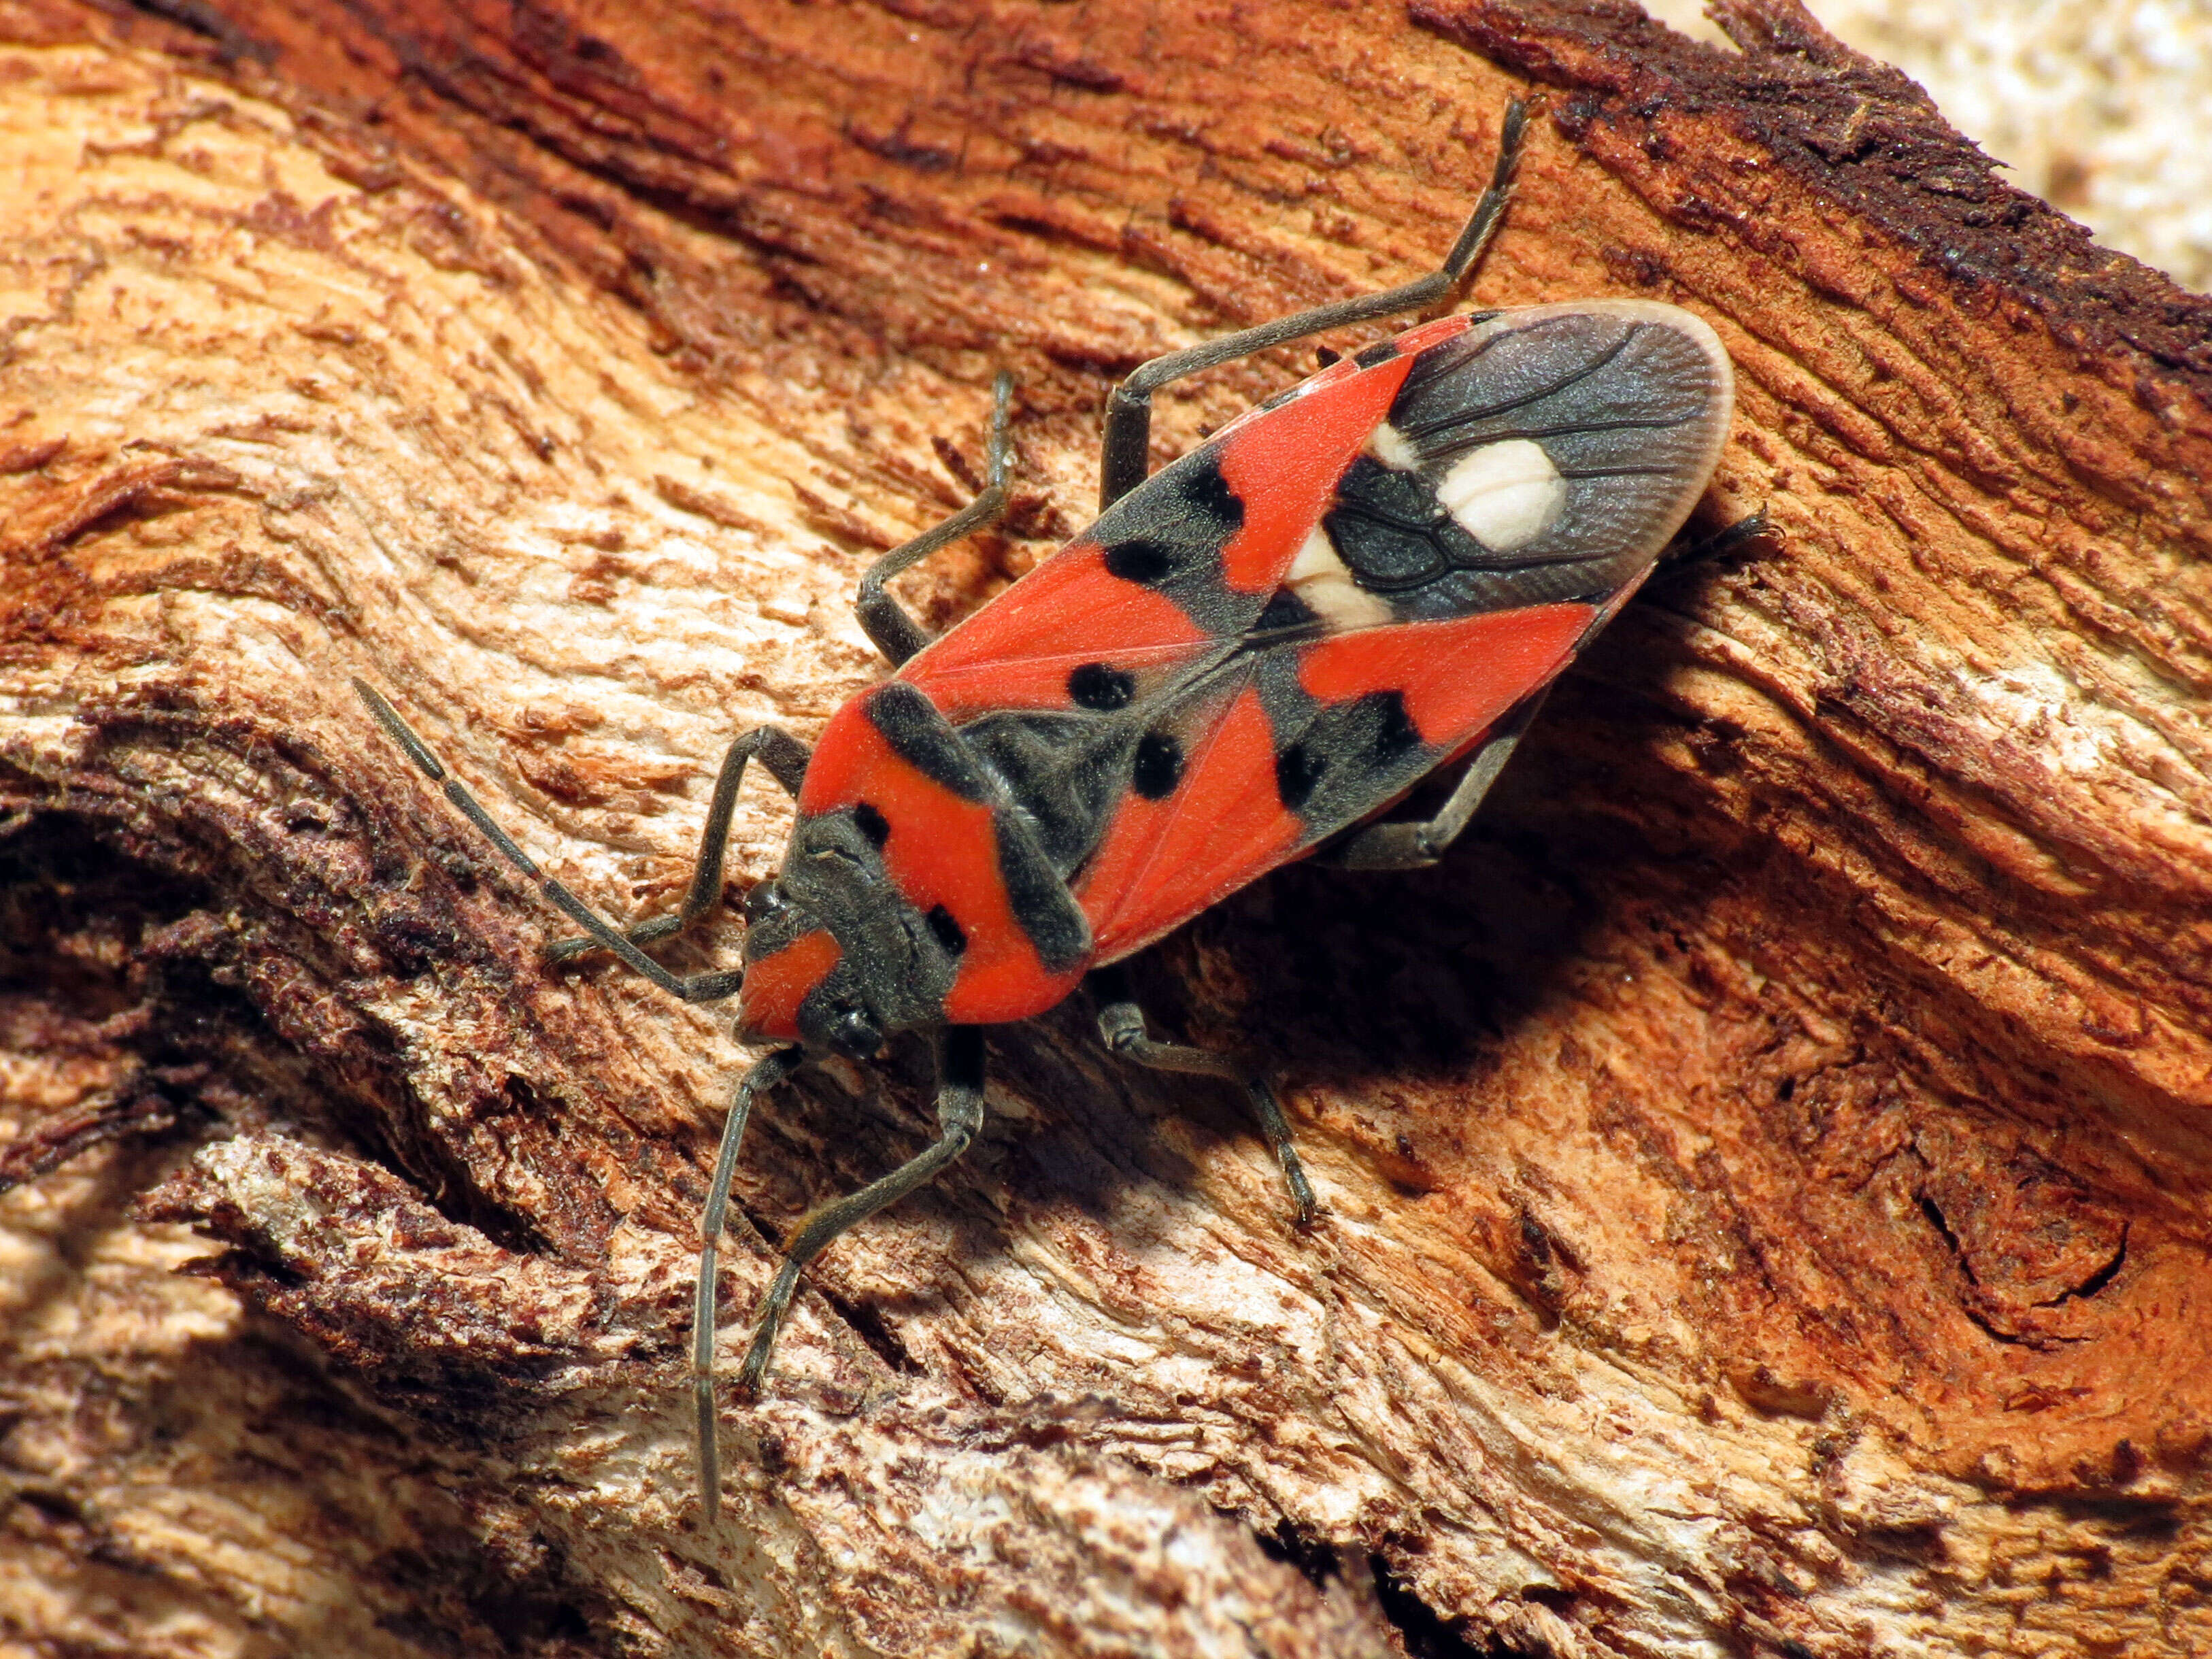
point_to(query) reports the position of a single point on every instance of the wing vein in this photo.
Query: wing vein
(1491, 411)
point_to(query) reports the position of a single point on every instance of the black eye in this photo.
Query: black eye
(764, 900)
(853, 1032)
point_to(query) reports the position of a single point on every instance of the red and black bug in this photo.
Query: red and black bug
(1247, 659)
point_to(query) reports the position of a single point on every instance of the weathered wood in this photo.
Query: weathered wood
(1763, 1165)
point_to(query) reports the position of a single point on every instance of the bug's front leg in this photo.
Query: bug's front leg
(888, 623)
(959, 1120)
(762, 1075)
(785, 758)
(1122, 1022)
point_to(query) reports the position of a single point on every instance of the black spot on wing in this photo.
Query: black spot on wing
(1167, 535)
(1158, 766)
(1099, 686)
(1286, 613)
(1142, 561)
(1395, 734)
(1337, 762)
(1176, 519)
(1381, 352)
(1298, 769)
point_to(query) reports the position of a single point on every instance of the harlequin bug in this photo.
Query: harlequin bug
(1251, 656)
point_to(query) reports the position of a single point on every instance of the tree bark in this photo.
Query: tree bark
(1762, 1164)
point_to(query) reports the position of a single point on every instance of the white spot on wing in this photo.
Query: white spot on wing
(1388, 445)
(1504, 495)
(1325, 587)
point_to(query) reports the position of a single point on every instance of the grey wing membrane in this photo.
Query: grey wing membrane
(1545, 455)
(1528, 473)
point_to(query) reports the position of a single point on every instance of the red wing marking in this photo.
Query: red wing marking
(941, 850)
(1284, 465)
(1018, 651)
(1415, 341)
(848, 755)
(768, 1004)
(1164, 862)
(1457, 676)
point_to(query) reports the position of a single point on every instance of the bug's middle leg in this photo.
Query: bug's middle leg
(888, 623)
(959, 1120)
(1123, 454)
(1416, 844)
(1122, 1022)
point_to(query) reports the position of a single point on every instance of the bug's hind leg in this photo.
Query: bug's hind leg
(959, 1119)
(785, 758)
(692, 988)
(895, 633)
(760, 1076)
(1126, 449)
(1718, 545)
(1416, 845)
(1122, 1022)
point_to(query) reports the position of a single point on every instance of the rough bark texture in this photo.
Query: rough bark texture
(1763, 1164)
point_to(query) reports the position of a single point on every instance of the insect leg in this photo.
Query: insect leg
(959, 1118)
(1122, 1022)
(897, 633)
(693, 988)
(785, 758)
(760, 1076)
(1414, 846)
(1123, 455)
(1719, 544)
